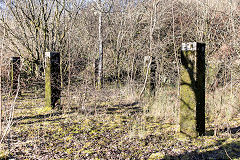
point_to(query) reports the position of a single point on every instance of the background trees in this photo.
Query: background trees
(130, 30)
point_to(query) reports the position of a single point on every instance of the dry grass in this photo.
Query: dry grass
(165, 106)
(121, 130)
(222, 106)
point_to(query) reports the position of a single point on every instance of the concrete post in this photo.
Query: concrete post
(15, 72)
(96, 67)
(153, 68)
(192, 89)
(52, 79)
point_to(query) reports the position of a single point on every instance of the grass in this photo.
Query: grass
(119, 129)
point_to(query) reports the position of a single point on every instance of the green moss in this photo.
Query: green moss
(43, 110)
(188, 99)
(3, 154)
(182, 137)
(48, 91)
(157, 155)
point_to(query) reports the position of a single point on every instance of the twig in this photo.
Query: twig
(12, 112)
(146, 78)
(227, 154)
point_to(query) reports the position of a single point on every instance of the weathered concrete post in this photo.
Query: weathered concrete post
(96, 67)
(52, 79)
(15, 72)
(149, 73)
(153, 69)
(192, 90)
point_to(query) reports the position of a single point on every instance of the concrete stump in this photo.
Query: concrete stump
(15, 72)
(192, 89)
(52, 79)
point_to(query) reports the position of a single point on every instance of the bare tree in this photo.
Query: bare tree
(100, 41)
(39, 29)
(1, 59)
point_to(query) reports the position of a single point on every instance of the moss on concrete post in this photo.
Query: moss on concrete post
(52, 79)
(149, 71)
(192, 91)
(15, 72)
(48, 92)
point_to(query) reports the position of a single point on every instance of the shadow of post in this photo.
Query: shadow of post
(226, 151)
(192, 91)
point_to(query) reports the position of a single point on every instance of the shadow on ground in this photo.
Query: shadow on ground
(131, 108)
(40, 118)
(216, 151)
(234, 130)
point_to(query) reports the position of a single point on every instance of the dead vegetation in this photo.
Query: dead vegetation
(121, 129)
(114, 122)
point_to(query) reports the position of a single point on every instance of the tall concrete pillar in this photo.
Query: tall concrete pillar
(52, 79)
(192, 89)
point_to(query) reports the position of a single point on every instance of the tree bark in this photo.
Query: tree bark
(100, 41)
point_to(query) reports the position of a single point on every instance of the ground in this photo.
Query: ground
(109, 130)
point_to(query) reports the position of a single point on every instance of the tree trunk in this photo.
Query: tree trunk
(1, 82)
(100, 65)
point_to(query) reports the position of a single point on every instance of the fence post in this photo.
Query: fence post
(153, 69)
(192, 89)
(52, 79)
(15, 72)
(96, 67)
